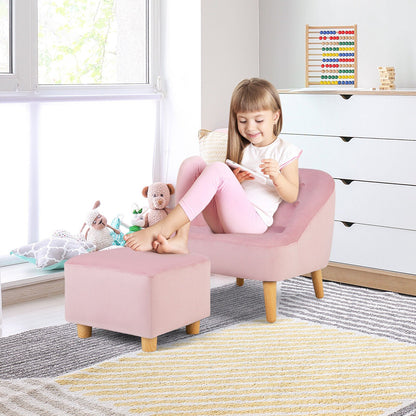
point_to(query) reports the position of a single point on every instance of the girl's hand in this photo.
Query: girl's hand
(285, 180)
(242, 175)
(271, 168)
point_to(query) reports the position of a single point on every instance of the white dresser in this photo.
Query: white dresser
(367, 141)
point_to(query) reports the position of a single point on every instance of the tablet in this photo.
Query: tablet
(258, 177)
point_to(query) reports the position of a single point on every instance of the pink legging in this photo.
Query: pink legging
(214, 191)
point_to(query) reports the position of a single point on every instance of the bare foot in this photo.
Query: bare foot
(141, 240)
(175, 245)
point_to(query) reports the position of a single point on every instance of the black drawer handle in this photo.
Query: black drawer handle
(347, 224)
(346, 96)
(347, 181)
(345, 139)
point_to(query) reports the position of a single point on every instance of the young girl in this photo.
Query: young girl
(230, 200)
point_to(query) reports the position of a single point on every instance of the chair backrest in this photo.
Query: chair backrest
(315, 189)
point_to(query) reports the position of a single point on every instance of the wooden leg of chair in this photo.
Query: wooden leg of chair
(193, 329)
(84, 331)
(269, 290)
(149, 344)
(239, 281)
(318, 284)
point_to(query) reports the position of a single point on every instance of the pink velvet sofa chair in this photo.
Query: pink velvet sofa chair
(298, 242)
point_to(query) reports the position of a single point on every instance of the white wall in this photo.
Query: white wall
(386, 37)
(230, 53)
(243, 38)
(181, 83)
(207, 47)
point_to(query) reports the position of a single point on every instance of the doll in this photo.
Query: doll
(98, 232)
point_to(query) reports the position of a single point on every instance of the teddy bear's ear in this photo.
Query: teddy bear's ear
(171, 188)
(144, 191)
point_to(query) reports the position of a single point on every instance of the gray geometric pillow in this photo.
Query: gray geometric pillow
(52, 253)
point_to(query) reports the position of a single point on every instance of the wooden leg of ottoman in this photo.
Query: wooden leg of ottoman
(149, 344)
(84, 331)
(193, 329)
(239, 281)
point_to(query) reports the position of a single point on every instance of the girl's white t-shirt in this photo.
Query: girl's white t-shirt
(265, 198)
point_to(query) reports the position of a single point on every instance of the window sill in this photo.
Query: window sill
(25, 274)
(81, 94)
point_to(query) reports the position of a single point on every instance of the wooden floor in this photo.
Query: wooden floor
(49, 311)
(33, 314)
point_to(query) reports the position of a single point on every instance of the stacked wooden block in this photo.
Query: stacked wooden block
(387, 77)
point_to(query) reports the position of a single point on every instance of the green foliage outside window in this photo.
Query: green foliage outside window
(79, 40)
(74, 41)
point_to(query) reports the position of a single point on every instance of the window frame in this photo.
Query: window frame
(24, 54)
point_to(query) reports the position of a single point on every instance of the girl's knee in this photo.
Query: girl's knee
(193, 160)
(219, 167)
(220, 170)
(191, 167)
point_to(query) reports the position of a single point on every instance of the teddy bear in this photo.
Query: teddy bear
(158, 196)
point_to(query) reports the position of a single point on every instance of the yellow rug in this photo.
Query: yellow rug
(291, 367)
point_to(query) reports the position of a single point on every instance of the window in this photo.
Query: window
(78, 43)
(79, 115)
(5, 38)
(92, 42)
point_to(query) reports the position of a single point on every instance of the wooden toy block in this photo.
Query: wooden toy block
(387, 76)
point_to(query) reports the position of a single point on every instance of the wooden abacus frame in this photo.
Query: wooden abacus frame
(324, 68)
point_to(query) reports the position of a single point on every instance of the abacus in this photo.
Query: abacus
(331, 55)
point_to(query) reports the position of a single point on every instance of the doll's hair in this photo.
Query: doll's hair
(250, 95)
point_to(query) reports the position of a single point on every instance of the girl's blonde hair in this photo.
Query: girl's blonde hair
(250, 95)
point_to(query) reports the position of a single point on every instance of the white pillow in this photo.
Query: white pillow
(213, 146)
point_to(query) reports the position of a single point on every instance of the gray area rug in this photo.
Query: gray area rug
(370, 311)
(53, 351)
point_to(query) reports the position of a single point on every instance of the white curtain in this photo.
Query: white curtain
(58, 156)
(181, 83)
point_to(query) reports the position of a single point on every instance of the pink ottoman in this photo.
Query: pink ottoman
(139, 293)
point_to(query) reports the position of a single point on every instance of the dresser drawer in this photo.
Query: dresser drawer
(377, 160)
(359, 116)
(377, 247)
(376, 203)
